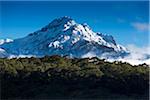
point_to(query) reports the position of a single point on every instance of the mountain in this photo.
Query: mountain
(63, 36)
(2, 41)
(3, 53)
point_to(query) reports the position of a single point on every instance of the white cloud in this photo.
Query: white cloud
(139, 55)
(141, 26)
(141, 50)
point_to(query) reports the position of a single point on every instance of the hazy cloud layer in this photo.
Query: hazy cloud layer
(141, 26)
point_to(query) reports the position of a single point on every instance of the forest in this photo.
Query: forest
(56, 77)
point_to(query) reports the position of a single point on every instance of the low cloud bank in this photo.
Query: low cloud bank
(141, 26)
(138, 55)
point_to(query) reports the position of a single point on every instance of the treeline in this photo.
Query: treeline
(58, 77)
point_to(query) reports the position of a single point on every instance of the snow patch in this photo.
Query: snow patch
(89, 55)
(55, 44)
(66, 38)
(2, 41)
(21, 56)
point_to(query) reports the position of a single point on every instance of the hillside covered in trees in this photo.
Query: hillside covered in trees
(58, 77)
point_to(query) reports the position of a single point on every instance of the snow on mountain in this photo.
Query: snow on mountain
(3, 53)
(63, 36)
(2, 41)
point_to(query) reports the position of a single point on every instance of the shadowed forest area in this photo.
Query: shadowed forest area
(55, 77)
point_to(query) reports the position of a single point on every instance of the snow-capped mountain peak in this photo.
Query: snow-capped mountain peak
(63, 36)
(61, 23)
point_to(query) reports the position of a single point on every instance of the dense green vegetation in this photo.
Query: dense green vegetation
(58, 77)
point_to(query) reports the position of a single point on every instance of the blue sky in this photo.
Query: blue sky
(127, 21)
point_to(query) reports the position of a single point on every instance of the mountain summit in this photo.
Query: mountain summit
(63, 36)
